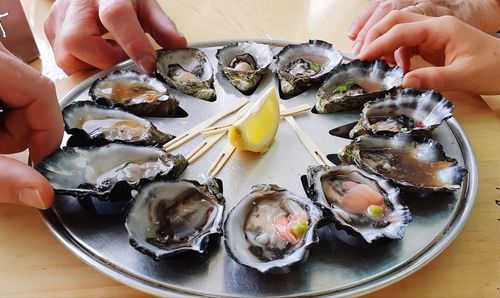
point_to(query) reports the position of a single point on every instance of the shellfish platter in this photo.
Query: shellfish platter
(398, 185)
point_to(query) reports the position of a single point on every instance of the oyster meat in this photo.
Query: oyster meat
(188, 71)
(359, 201)
(271, 229)
(353, 84)
(409, 111)
(137, 93)
(414, 163)
(244, 64)
(93, 124)
(299, 66)
(109, 172)
(168, 218)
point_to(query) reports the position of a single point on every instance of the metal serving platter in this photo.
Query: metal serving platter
(336, 266)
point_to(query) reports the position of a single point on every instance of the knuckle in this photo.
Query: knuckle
(63, 60)
(113, 10)
(387, 5)
(70, 40)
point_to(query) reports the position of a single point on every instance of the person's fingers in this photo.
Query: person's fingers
(403, 57)
(80, 29)
(380, 12)
(428, 9)
(20, 184)
(33, 106)
(433, 78)
(393, 18)
(159, 25)
(415, 34)
(360, 21)
(120, 19)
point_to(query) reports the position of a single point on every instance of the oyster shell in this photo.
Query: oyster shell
(409, 111)
(137, 93)
(168, 218)
(353, 84)
(271, 229)
(109, 172)
(244, 64)
(363, 202)
(414, 163)
(300, 66)
(188, 71)
(92, 124)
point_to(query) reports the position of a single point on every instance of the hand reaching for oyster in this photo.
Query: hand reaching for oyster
(75, 30)
(29, 118)
(466, 59)
(482, 14)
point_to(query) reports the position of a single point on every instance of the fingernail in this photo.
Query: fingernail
(147, 63)
(356, 47)
(411, 83)
(350, 32)
(31, 197)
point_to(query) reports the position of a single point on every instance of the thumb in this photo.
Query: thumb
(21, 184)
(435, 78)
(160, 26)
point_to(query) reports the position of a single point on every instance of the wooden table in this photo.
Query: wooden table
(34, 263)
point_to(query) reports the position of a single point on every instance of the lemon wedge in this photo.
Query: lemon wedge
(256, 130)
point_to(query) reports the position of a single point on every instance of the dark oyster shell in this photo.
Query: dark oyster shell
(409, 111)
(93, 124)
(109, 172)
(250, 238)
(326, 186)
(169, 218)
(137, 93)
(353, 84)
(414, 163)
(192, 68)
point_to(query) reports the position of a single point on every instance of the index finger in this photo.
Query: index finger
(22, 88)
(120, 19)
(359, 22)
(414, 34)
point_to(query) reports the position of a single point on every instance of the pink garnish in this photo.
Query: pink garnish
(359, 197)
(283, 225)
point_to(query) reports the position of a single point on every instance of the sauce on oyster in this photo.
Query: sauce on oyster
(404, 165)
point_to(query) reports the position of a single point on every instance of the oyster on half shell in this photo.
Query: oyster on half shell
(414, 163)
(409, 111)
(167, 218)
(353, 84)
(365, 203)
(109, 172)
(299, 66)
(244, 64)
(188, 71)
(137, 93)
(271, 229)
(93, 124)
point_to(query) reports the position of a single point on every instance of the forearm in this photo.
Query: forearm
(482, 14)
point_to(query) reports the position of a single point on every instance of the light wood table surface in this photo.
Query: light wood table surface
(34, 264)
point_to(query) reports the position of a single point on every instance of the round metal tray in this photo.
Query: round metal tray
(335, 267)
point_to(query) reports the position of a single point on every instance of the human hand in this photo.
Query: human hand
(482, 14)
(467, 59)
(31, 118)
(74, 28)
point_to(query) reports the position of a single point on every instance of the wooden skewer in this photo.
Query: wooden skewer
(284, 113)
(213, 139)
(220, 160)
(308, 143)
(196, 130)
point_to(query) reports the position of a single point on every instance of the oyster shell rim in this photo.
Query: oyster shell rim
(213, 186)
(390, 191)
(278, 266)
(346, 157)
